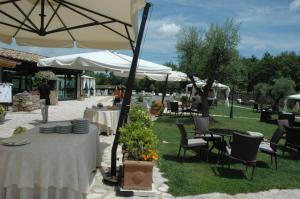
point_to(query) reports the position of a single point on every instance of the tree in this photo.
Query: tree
(208, 55)
(261, 90)
(279, 89)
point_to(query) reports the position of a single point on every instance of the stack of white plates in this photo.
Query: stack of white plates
(64, 128)
(81, 126)
(47, 129)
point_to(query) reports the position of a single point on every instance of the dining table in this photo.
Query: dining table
(49, 165)
(105, 119)
(227, 134)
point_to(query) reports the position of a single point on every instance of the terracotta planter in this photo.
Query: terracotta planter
(137, 175)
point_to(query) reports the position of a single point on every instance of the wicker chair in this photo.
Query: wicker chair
(190, 143)
(243, 149)
(202, 130)
(270, 148)
(174, 108)
(168, 107)
(293, 140)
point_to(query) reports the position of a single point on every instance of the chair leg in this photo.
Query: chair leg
(271, 159)
(179, 152)
(207, 150)
(184, 154)
(253, 169)
(275, 156)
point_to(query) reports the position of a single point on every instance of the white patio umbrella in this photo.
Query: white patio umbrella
(105, 61)
(106, 24)
(57, 23)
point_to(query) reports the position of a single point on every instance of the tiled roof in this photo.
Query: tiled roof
(20, 55)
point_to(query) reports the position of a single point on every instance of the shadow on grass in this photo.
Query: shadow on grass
(262, 164)
(188, 158)
(228, 173)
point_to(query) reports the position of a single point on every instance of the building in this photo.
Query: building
(19, 68)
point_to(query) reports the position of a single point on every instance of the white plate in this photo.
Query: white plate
(16, 143)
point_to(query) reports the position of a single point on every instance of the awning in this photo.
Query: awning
(105, 61)
(46, 23)
(6, 63)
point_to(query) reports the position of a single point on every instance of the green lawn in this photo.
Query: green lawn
(196, 176)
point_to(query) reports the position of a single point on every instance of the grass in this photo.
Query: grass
(196, 176)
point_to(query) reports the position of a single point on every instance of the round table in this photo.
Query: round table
(51, 166)
(106, 120)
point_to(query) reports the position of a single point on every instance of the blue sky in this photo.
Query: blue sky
(266, 25)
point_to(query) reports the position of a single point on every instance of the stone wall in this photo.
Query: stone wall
(26, 102)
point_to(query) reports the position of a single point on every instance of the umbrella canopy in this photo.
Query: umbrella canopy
(174, 76)
(46, 23)
(105, 61)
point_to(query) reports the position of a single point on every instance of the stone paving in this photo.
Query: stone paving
(67, 110)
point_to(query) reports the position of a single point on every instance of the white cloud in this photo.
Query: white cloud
(167, 30)
(269, 42)
(295, 5)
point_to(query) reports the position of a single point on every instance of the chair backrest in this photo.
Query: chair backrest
(283, 123)
(255, 106)
(174, 106)
(288, 116)
(168, 104)
(210, 102)
(245, 147)
(183, 134)
(293, 136)
(275, 138)
(201, 125)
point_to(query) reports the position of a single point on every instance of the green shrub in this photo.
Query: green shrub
(2, 110)
(137, 137)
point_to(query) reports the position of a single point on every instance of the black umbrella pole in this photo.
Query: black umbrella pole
(127, 98)
(164, 92)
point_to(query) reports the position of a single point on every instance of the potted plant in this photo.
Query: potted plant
(2, 113)
(139, 150)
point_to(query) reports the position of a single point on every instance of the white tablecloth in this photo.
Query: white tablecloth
(107, 120)
(52, 166)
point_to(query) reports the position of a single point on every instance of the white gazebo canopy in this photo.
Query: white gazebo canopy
(216, 86)
(291, 97)
(294, 97)
(105, 24)
(88, 83)
(105, 61)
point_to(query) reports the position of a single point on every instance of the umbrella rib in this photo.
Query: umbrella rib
(26, 17)
(61, 21)
(10, 25)
(99, 23)
(96, 13)
(54, 13)
(15, 19)
(130, 41)
(8, 1)
(36, 3)
(74, 27)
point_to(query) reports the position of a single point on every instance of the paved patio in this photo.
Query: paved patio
(67, 110)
